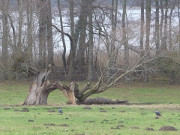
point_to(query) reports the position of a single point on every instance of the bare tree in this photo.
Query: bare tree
(147, 46)
(124, 36)
(62, 35)
(50, 45)
(172, 6)
(142, 29)
(161, 22)
(82, 39)
(4, 9)
(20, 12)
(164, 41)
(157, 39)
(110, 40)
(29, 12)
(73, 46)
(90, 44)
(46, 48)
(42, 31)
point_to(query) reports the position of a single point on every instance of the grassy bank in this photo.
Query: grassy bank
(138, 118)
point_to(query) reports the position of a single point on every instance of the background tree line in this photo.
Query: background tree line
(83, 39)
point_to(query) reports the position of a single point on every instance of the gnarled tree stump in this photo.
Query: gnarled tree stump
(41, 87)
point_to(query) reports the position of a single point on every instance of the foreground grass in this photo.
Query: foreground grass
(91, 120)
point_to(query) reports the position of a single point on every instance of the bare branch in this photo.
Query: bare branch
(86, 87)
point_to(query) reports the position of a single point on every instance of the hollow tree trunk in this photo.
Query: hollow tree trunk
(41, 87)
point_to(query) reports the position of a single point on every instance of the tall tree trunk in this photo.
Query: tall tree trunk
(148, 22)
(62, 35)
(161, 23)
(20, 10)
(5, 34)
(42, 32)
(124, 37)
(142, 30)
(115, 30)
(147, 47)
(82, 38)
(170, 28)
(29, 12)
(157, 28)
(164, 43)
(111, 49)
(14, 35)
(72, 55)
(50, 46)
(90, 46)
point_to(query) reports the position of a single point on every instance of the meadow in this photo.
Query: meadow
(135, 118)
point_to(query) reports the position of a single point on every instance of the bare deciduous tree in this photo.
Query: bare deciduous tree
(90, 44)
(147, 45)
(73, 46)
(142, 29)
(5, 34)
(62, 35)
(157, 39)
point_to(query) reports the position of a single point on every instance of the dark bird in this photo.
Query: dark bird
(157, 113)
(60, 111)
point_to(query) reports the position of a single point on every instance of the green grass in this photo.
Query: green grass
(14, 93)
(98, 120)
(145, 95)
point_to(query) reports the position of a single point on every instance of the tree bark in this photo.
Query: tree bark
(5, 35)
(147, 46)
(72, 55)
(148, 23)
(170, 27)
(124, 37)
(82, 38)
(42, 32)
(29, 12)
(90, 46)
(142, 30)
(62, 35)
(20, 11)
(161, 23)
(157, 39)
(164, 42)
(112, 51)
(50, 45)
(41, 87)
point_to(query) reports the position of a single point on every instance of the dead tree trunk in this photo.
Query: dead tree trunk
(89, 90)
(41, 87)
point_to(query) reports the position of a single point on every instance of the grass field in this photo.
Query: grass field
(138, 118)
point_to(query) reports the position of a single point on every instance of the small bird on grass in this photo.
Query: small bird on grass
(60, 111)
(157, 113)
